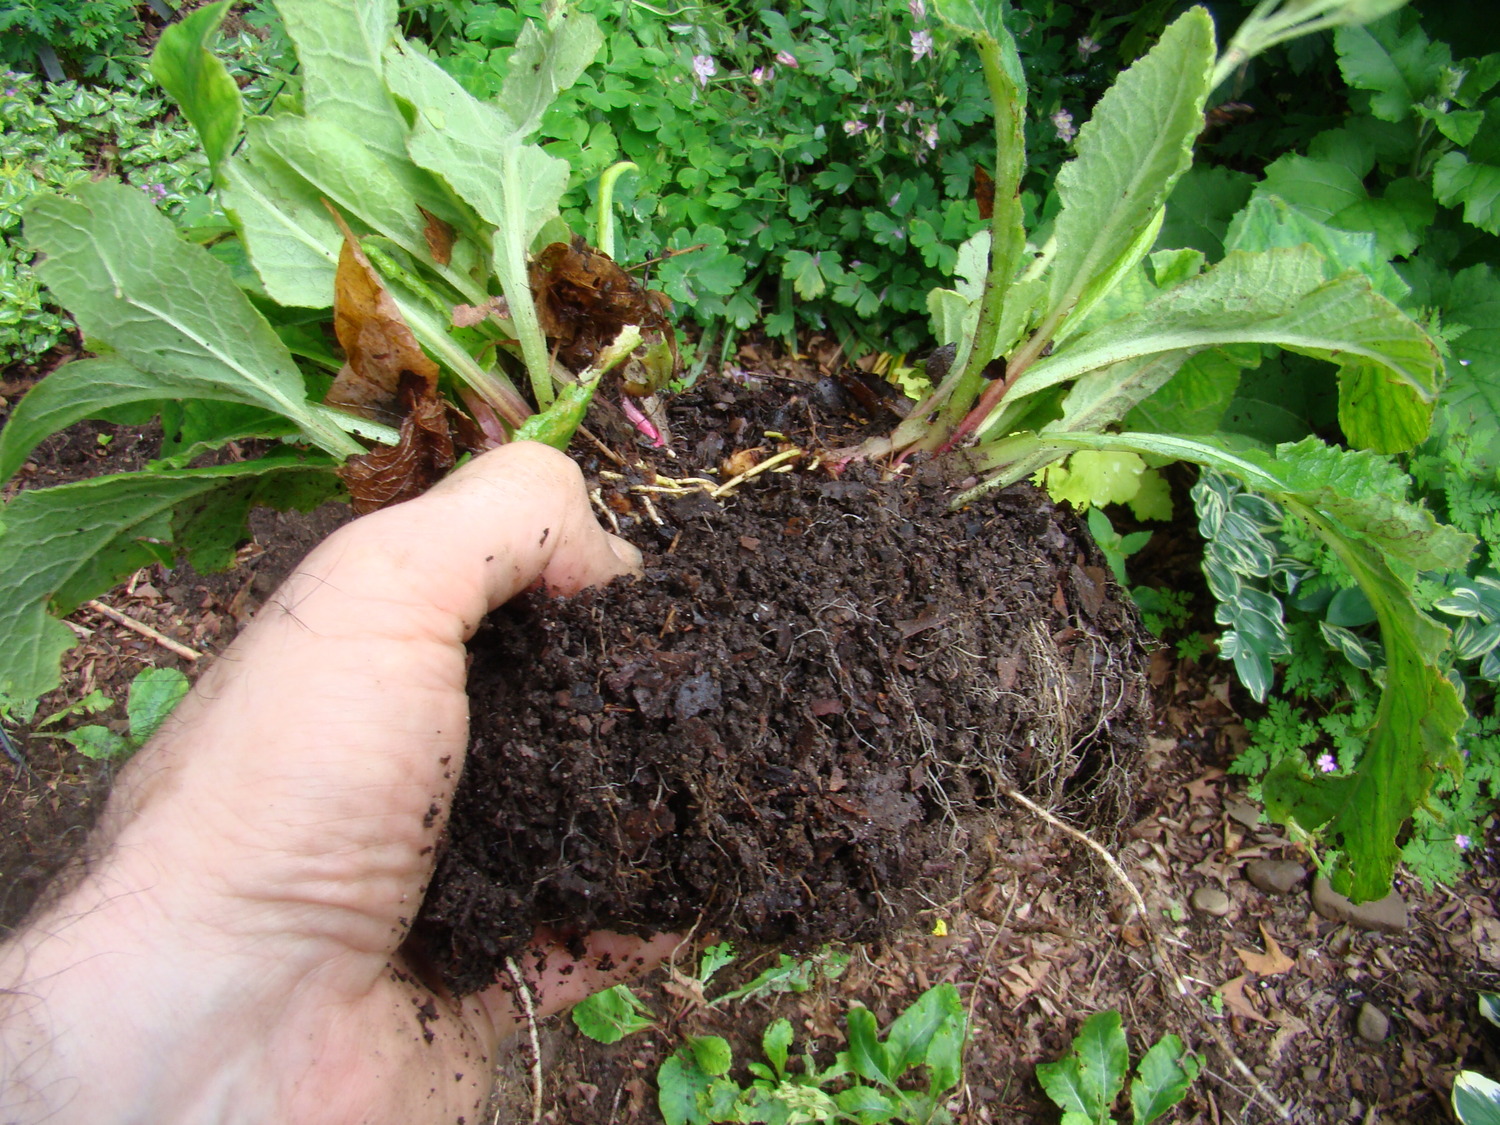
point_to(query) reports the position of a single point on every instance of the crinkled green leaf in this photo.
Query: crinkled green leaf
(1089, 1079)
(1130, 154)
(867, 1054)
(1417, 719)
(1388, 367)
(169, 309)
(1162, 1079)
(1269, 223)
(98, 742)
(1367, 493)
(200, 84)
(61, 546)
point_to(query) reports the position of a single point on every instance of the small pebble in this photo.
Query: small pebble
(1211, 900)
(1372, 1024)
(1275, 876)
(1387, 914)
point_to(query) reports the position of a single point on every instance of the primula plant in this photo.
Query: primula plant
(427, 219)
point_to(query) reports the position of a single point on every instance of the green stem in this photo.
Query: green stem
(1007, 235)
(605, 221)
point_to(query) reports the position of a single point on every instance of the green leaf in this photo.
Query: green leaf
(867, 1055)
(169, 309)
(1419, 713)
(1200, 207)
(1162, 1079)
(1268, 223)
(1090, 1078)
(609, 1016)
(912, 1033)
(514, 186)
(1388, 367)
(1397, 69)
(681, 1089)
(200, 84)
(98, 743)
(1476, 1099)
(711, 1054)
(61, 546)
(1092, 478)
(1130, 154)
(153, 694)
(1477, 186)
(544, 62)
(791, 974)
(1489, 1007)
(715, 957)
(1320, 188)
(776, 1042)
(984, 20)
(865, 1104)
(1471, 399)
(1193, 401)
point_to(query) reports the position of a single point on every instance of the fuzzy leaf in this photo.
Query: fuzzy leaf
(544, 62)
(514, 186)
(170, 309)
(1388, 367)
(198, 81)
(61, 546)
(1090, 1078)
(1268, 223)
(1130, 154)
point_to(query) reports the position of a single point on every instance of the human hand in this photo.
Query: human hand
(231, 952)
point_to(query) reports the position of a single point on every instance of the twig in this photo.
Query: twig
(145, 630)
(1161, 950)
(536, 1046)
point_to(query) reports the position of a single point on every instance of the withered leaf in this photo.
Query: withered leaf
(439, 236)
(467, 316)
(1270, 963)
(423, 455)
(1235, 1000)
(984, 193)
(378, 345)
(584, 298)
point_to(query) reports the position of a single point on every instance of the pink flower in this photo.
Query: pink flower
(921, 45)
(786, 58)
(705, 68)
(1062, 121)
(917, 9)
(855, 128)
(762, 74)
(1326, 763)
(930, 136)
(1086, 47)
(1462, 842)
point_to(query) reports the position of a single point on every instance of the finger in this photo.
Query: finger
(557, 980)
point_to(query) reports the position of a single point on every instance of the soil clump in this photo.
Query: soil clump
(792, 729)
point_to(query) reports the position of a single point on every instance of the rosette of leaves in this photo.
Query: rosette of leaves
(386, 192)
(1065, 334)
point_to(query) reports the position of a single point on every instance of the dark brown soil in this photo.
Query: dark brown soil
(789, 732)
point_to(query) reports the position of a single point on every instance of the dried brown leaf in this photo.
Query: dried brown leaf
(378, 345)
(467, 316)
(439, 236)
(423, 455)
(1270, 963)
(1235, 1000)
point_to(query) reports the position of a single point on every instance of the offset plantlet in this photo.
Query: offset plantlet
(694, 1086)
(1087, 1082)
(390, 195)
